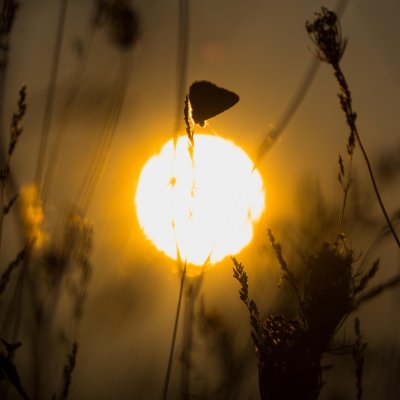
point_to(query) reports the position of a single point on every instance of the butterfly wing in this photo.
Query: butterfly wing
(208, 100)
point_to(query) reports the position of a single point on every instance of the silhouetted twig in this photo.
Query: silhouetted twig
(16, 130)
(48, 114)
(182, 60)
(288, 275)
(8, 370)
(365, 279)
(241, 276)
(5, 277)
(377, 290)
(171, 352)
(68, 369)
(358, 357)
(325, 31)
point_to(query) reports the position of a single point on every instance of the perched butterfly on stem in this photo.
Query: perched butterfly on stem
(208, 100)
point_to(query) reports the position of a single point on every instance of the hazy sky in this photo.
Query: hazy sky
(260, 50)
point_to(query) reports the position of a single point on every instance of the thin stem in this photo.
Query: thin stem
(2, 202)
(295, 102)
(182, 61)
(7, 18)
(171, 352)
(6, 275)
(287, 272)
(377, 290)
(50, 170)
(102, 154)
(371, 174)
(187, 341)
(346, 188)
(345, 98)
(50, 97)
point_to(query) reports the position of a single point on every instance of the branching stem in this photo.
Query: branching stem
(345, 99)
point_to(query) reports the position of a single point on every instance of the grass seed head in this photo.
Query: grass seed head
(326, 33)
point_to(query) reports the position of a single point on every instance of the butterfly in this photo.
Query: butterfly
(208, 100)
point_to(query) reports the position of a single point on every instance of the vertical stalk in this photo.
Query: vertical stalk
(345, 98)
(187, 341)
(192, 294)
(346, 187)
(174, 334)
(182, 61)
(48, 113)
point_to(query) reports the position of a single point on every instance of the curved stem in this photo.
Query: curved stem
(345, 100)
(371, 174)
(48, 113)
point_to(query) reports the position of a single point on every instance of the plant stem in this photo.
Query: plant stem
(171, 352)
(50, 98)
(345, 98)
(377, 290)
(346, 188)
(182, 61)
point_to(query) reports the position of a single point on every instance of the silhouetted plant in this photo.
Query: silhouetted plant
(288, 366)
(290, 350)
(8, 370)
(68, 369)
(325, 31)
(358, 356)
(6, 275)
(16, 130)
(328, 288)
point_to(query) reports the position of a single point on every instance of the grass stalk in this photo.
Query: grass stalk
(345, 98)
(48, 113)
(8, 13)
(377, 290)
(187, 341)
(182, 61)
(101, 156)
(346, 187)
(16, 130)
(68, 369)
(295, 102)
(325, 31)
(174, 334)
(75, 87)
(6, 275)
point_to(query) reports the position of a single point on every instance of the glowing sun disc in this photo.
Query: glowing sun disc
(206, 209)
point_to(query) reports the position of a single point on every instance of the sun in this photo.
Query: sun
(202, 208)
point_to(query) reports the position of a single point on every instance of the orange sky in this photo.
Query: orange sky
(258, 49)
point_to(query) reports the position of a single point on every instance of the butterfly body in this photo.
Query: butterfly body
(208, 100)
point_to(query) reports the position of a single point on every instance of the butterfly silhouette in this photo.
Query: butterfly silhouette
(208, 100)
